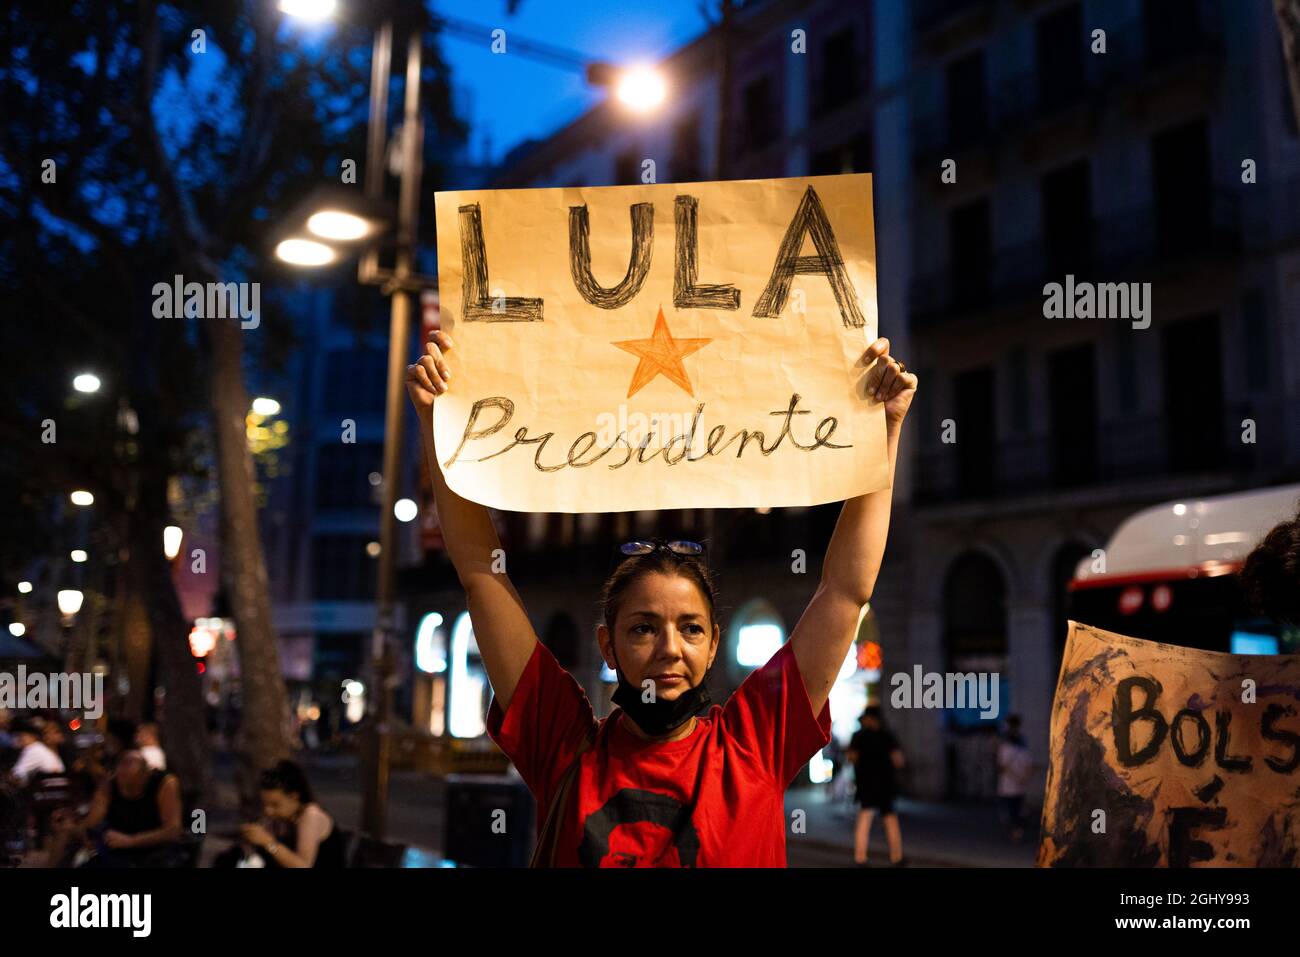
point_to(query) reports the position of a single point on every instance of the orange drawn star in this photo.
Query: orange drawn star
(660, 354)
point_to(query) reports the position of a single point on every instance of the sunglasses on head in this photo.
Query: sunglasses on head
(645, 547)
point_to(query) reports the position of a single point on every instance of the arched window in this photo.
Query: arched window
(975, 640)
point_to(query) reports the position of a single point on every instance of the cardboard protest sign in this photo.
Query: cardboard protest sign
(1163, 756)
(689, 345)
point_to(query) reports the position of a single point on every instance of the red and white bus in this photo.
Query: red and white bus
(1169, 573)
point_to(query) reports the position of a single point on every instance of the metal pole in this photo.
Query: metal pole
(377, 132)
(722, 144)
(375, 809)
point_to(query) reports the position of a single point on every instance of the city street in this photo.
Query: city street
(934, 834)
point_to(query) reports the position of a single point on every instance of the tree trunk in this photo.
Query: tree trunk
(137, 649)
(184, 728)
(263, 726)
(1288, 21)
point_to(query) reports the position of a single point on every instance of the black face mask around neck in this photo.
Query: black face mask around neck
(656, 718)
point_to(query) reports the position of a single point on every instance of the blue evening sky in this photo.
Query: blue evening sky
(509, 98)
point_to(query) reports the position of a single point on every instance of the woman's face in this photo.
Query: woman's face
(280, 805)
(662, 633)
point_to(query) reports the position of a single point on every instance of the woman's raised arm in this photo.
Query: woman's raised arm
(505, 636)
(825, 631)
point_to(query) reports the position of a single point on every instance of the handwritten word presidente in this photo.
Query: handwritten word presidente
(583, 444)
(1179, 731)
(688, 293)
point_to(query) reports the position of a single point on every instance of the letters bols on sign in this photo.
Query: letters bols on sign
(1170, 756)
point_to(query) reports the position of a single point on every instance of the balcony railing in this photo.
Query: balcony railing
(1105, 250)
(1131, 448)
(1025, 98)
(934, 13)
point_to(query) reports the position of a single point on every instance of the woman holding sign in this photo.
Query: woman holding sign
(656, 784)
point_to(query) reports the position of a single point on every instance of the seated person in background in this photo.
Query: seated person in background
(149, 745)
(54, 738)
(138, 810)
(34, 757)
(300, 832)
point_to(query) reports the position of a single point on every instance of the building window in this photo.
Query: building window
(1072, 402)
(1126, 371)
(1181, 184)
(967, 99)
(1060, 44)
(686, 149)
(1194, 407)
(1067, 219)
(343, 474)
(338, 657)
(759, 113)
(925, 408)
(970, 253)
(839, 62)
(355, 381)
(973, 400)
(1254, 328)
(1173, 28)
(1018, 383)
(341, 569)
(852, 156)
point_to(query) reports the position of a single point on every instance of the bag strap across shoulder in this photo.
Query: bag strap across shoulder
(544, 853)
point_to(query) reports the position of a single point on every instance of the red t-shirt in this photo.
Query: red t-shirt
(712, 799)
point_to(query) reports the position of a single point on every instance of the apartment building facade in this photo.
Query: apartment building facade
(1111, 141)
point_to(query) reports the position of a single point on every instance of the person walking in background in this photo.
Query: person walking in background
(876, 759)
(1014, 767)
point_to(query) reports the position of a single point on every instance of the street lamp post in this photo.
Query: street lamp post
(374, 810)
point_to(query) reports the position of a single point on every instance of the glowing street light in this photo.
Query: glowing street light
(266, 407)
(304, 252)
(337, 225)
(17, 629)
(172, 535)
(405, 509)
(82, 497)
(86, 382)
(309, 9)
(641, 89)
(79, 555)
(70, 601)
(24, 588)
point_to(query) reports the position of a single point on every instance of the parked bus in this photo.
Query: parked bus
(1169, 573)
